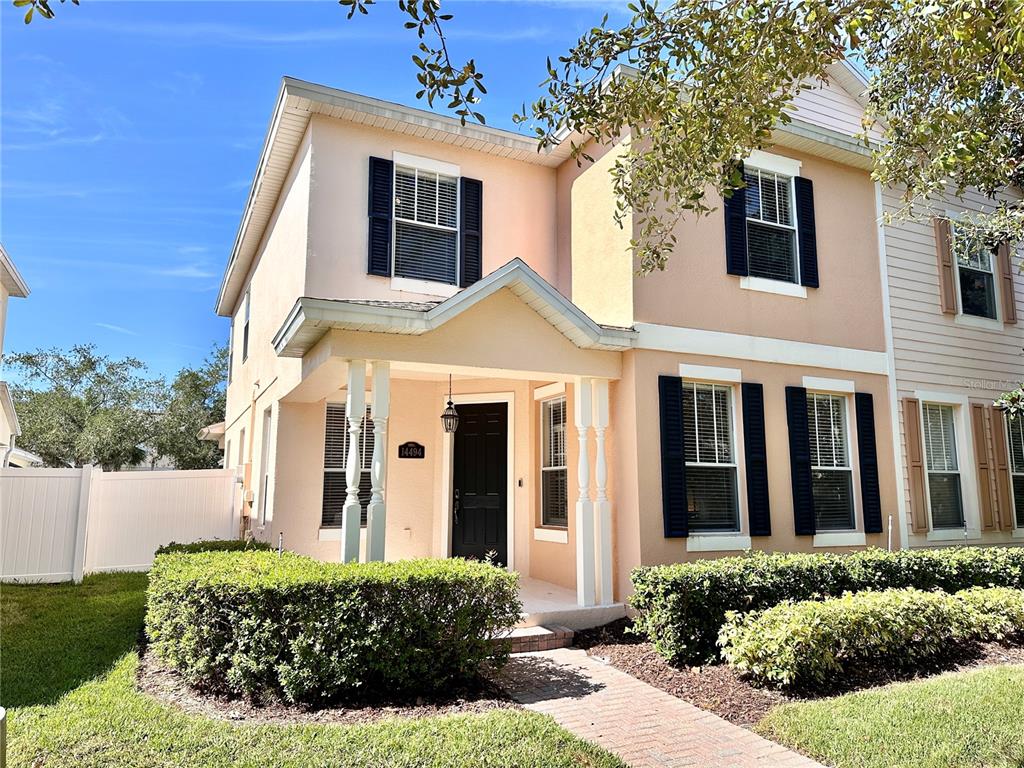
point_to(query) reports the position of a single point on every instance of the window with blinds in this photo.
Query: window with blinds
(710, 457)
(771, 226)
(426, 225)
(831, 471)
(975, 275)
(941, 466)
(554, 492)
(336, 447)
(1015, 435)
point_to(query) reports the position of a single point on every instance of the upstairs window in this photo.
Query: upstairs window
(245, 329)
(336, 449)
(554, 489)
(710, 458)
(771, 226)
(831, 472)
(426, 225)
(1015, 434)
(942, 467)
(975, 275)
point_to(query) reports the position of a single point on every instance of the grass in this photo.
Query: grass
(68, 672)
(962, 720)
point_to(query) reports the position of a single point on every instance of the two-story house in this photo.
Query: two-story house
(440, 347)
(11, 284)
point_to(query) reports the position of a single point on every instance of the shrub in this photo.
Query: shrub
(259, 624)
(682, 607)
(214, 545)
(810, 642)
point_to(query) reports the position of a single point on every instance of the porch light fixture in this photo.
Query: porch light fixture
(450, 417)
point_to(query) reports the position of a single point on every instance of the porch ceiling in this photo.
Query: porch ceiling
(311, 318)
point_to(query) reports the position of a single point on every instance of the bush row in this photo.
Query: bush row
(259, 624)
(214, 545)
(682, 607)
(811, 642)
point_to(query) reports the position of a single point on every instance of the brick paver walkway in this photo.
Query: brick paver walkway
(643, 725)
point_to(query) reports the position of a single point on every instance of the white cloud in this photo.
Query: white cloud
(192, 271)
(117, 329)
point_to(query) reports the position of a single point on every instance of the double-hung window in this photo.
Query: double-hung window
(771, 226)
(831, 472)
(942, 466)
(336, 449)
(245, 329)
(426, 225)
(1015, 433)
(710, 454)
(554, 490)
(975, 265)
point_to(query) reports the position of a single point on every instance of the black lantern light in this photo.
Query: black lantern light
(450, 417)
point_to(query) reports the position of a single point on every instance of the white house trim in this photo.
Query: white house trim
(767, 161)
(717, 542)
(554, 535)
(818, 384)
(424, 287)
(426, 163)
(710, 373)
(778, 287)
(696, 341)
(549, 390)
(840, 539)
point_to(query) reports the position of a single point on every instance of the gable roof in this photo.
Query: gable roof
(10, 277)
(311, 318)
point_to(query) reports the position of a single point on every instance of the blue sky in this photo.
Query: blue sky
(129, 132)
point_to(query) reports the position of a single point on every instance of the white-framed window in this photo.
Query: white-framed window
(231, 349)
(241, 446)
(245, 328)
(710, 453)
(1015, 436)
(554, 491)
(264, 467)
(831, 468)
(771, 225)
(336, 448)
(975, 274)
(227, 454)
(426, 221)
(942, 467)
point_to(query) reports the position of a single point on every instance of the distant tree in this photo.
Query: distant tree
(197, 399)
(77, 407)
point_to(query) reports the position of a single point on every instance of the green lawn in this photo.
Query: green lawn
(962, 720)
(67, 671)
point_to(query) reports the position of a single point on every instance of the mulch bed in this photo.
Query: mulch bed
(167, 686)
(719, 689)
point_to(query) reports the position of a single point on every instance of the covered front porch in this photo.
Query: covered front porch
(523, 479)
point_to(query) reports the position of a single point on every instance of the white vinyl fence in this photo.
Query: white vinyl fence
(56, 524)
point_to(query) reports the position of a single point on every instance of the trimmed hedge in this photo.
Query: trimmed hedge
(682, 607)
(258, 624)
(214, 545)
(811, 642)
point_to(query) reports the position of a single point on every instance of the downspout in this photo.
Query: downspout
(894, 403)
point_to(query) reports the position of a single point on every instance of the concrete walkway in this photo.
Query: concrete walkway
(643, 725)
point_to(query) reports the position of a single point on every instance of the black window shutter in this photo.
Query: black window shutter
(471, 223)
(800, 460)
(870, 495)
(673, 457)
(736, 231)
(381, 205)
(758, 508)
(806, 237)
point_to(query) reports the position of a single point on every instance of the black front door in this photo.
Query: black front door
(480, 475)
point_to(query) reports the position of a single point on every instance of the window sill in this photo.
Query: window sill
(1018, 533)
(953, 534)
(971, 321)
(717, 542)
(777, 287)
(554, 535)
(334, 534)
(427, 287)
(840, 539)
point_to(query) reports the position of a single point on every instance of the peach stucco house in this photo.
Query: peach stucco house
(742, 398)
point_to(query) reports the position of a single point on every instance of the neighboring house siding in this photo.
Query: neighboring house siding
(933, 352)
(829, 106)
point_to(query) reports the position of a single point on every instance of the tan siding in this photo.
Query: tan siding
(828, 105)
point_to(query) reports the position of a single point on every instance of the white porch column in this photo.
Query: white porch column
(355, 410)
(376, 515)
(602, 504)
(585, 565)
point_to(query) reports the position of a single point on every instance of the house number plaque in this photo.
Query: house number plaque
(411, 451)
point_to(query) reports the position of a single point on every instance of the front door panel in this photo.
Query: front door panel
(479, 493)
